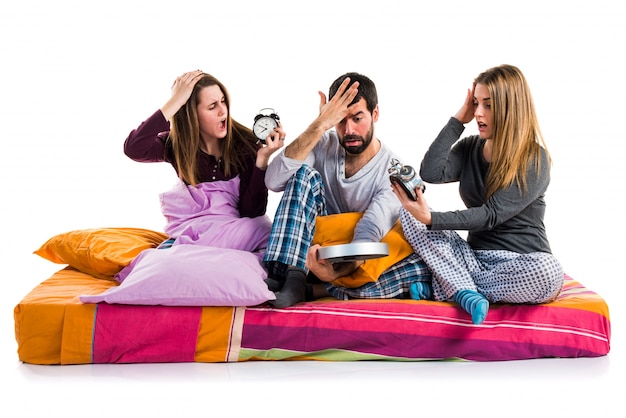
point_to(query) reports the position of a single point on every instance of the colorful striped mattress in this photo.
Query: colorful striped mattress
(52, 326)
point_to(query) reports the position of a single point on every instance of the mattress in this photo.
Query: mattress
(53, 326)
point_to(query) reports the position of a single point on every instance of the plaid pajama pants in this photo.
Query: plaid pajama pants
(293, 228)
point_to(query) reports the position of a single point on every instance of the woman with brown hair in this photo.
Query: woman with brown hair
(217, 159)
(503, 174)
(195, 132)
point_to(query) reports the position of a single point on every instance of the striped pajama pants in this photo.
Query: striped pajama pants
(292, 233)
(500, 275)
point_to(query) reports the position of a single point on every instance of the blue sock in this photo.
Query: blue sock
(473, 303)
(421, 291)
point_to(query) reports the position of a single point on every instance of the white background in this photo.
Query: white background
(77, 76)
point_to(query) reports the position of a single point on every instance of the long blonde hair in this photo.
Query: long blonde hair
(517, 139)
(184, 137)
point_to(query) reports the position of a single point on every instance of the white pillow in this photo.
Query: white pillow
(190, 275)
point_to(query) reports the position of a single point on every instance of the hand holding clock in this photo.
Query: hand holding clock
(270, 133)
(264, 123)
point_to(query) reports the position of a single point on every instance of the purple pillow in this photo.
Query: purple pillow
(190, 275)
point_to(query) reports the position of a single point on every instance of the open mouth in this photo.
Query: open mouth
(352, 141)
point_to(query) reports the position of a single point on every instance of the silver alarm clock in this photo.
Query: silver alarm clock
(405, 176)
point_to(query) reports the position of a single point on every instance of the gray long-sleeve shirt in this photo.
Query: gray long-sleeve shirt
(511, 219)
(367, 191)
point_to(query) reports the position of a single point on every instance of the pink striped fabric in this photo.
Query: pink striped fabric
(425, 330)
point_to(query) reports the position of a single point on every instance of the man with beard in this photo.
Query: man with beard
(336, 189)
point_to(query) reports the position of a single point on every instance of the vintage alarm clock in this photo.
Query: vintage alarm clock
(405, 176)
(264, 123)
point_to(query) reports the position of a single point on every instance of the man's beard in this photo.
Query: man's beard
(365, 142)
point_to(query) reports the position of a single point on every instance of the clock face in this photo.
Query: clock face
(264, 126)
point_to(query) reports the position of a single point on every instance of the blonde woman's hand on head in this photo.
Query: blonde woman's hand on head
(181, 92)
(466, 113)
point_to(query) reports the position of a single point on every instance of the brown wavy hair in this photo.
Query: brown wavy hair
(517, 139)
(238, 146)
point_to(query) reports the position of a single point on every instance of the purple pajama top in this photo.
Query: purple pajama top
(147, 143)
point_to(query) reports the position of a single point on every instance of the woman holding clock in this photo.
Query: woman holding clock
(208, 149)
(503, 174)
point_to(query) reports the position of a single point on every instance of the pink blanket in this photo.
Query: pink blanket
(207, 215)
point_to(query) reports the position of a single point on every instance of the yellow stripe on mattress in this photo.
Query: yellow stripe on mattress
(574, 295)
(41, 318)
(77, 338)
(214, 336)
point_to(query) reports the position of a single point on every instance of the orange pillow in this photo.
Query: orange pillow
(99, 252)
(339, 229)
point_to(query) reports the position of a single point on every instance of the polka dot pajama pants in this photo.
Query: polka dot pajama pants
(500, 275)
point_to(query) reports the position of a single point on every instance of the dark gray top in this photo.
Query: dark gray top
(511, 219)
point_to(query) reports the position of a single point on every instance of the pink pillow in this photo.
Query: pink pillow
(190, 275)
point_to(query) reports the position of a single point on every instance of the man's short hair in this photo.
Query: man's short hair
(367, 89)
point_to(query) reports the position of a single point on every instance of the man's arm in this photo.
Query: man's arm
(331, 113)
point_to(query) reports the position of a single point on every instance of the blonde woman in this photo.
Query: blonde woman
(503, 173)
